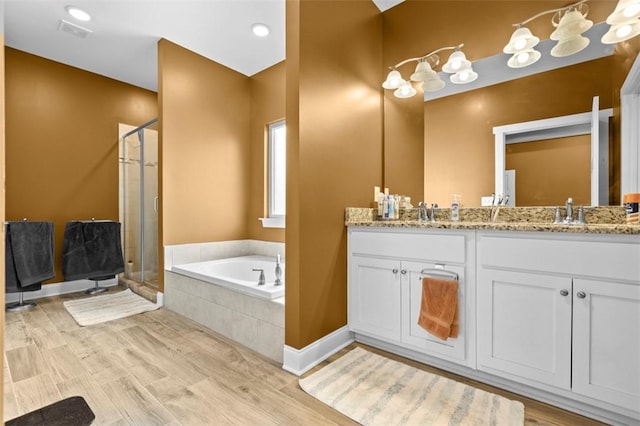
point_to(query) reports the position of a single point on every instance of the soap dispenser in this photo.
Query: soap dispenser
(455, 208)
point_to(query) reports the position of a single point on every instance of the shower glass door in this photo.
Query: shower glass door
(139, 202)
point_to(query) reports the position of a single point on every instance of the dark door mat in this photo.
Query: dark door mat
(71, 411)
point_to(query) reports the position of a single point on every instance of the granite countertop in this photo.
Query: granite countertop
(599, 220)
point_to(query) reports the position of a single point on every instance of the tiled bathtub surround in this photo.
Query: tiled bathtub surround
(253, 322)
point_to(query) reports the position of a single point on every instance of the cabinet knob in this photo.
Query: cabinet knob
(394, 270)
(581, 295)
(403, 272)
(564, 292)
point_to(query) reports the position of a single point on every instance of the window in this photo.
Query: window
(277, 171)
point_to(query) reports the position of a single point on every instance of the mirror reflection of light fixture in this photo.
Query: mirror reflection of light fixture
(570, 22)
(624, 21)
(457, 64)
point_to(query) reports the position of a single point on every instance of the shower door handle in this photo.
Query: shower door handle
(155, 204)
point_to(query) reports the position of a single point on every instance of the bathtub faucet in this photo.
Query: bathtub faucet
(262, 280)
(278, 272)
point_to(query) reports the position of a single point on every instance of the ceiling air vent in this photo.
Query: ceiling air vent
(73, 29)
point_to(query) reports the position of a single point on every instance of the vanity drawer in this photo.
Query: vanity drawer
(606, 257)
(439, 247)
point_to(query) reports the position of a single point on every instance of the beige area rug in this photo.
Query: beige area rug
(99, 309)
(374, 390)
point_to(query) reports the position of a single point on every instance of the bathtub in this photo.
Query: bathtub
(236, 273)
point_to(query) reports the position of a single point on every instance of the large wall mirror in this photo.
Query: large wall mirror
(459, 144)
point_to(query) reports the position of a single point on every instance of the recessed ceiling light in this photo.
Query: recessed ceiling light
(261, 30)
(78, 13)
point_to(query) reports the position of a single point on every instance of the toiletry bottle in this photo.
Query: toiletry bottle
(455, 208)
(392, 207)
(385, 207)
(380, 205)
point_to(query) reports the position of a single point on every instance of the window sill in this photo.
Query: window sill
(272, 222)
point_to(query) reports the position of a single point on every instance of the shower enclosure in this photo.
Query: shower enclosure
(138, 149)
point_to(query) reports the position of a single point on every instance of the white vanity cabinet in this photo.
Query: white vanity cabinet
(385, 288)
(561, 311)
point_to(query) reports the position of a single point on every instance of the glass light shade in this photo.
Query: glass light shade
(456, 62)
(433, 84)
(393, 81)
(523, 59)
(572, 24)
(622, 32)
(405, 90)
(521, 40)
(569, 46)
(423, 71)
(465, 76)
(625, 11)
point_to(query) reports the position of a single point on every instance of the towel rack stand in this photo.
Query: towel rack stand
(439, 273)
(21, 305)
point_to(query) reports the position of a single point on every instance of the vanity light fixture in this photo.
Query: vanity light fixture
(624, 21)
(570, 22)
(78, 13)
(457, 65)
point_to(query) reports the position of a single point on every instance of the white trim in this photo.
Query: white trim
(272, 222)
(299, 361)
(160, 299)
(630, 131)
(56, 289)
(555, 127)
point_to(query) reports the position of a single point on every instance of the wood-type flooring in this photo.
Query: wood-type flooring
(159, 368)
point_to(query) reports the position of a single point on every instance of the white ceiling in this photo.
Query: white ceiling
(123, 42)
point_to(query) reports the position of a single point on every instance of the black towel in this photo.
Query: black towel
(28, 255)
(91, 249)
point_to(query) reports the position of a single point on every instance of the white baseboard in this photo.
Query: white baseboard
(299, 361)
(56, 289)
(160, 299)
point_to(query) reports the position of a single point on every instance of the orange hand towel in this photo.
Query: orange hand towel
(439, 307)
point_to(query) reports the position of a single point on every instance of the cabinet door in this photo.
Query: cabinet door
(606, 342)
(524, 326)
(453, 348)
(374, 297)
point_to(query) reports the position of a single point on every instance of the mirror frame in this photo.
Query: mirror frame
(630, 131)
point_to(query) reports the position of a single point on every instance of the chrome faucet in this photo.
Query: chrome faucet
(278, 272)
(423, 214)
(433, 212)
(569, 208)
(262, 280)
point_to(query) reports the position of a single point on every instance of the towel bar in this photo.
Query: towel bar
(439, 273)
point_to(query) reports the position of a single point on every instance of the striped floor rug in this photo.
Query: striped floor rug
(374, 390)
(99, 309)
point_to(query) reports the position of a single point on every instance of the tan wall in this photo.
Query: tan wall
(62, 141)
(453, 125)
(204, 127)
(551, 170)
(334, 134)
(267, 106)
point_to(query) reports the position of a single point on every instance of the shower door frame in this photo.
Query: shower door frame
(140, 131)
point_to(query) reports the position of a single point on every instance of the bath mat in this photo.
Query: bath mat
(71, 411)
(99, 309)
(374, 390)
